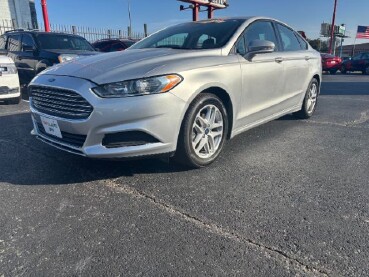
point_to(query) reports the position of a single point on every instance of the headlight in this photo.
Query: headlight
(8, 68)
(145, 86)
(66, 57)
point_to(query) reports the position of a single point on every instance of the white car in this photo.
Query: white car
(9, 81)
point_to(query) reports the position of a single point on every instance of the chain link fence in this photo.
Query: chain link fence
(89, 33)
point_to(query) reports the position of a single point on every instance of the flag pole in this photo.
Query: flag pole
(353, 50)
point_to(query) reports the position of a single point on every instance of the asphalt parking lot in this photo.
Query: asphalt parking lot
(288, 198)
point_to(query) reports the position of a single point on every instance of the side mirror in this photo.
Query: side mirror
(258, 46)
(28, 48)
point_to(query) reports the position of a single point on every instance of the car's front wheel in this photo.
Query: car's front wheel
(343, 69)
(203, 132)
(310, 100)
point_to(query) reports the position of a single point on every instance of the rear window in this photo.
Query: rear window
(63, 42)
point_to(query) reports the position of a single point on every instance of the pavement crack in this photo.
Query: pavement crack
(364, 117)
(216, 229)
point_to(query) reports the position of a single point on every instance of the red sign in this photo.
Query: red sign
(219, 4)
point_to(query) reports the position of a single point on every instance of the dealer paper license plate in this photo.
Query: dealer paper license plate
(51, 126)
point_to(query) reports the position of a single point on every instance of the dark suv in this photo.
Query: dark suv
(359, 62)
(112, 45)
(34, 51)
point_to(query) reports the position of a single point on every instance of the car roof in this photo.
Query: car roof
(36, 32)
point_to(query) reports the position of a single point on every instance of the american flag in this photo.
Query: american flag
(362, 32)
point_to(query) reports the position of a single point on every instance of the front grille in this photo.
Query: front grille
(59, 102)
(70, 139)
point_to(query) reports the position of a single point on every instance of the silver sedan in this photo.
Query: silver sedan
(182, 91)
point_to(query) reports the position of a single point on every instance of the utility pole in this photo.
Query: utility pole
(332, 27)
(45, 15)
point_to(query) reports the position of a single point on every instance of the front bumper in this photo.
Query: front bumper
(159, 116)
(9, 86)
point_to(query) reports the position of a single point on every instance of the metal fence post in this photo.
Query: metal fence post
(145, 30)
(74, 30)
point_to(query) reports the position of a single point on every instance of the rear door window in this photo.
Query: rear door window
(289, 39)
(14, 43)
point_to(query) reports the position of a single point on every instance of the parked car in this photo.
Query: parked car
(359, 62)
(182, 91)
(112, 45)
(34, 51)
(9, 81)
(331, 63)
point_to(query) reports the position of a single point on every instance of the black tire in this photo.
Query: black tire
(366, 71)
(305, 112)
(185, 154)
(343, 70)
(333, 71)
(13, 101)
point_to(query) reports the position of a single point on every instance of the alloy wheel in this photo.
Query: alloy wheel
(207, 131)
(312, 98)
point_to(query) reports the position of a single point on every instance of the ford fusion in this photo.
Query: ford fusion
(181, 92)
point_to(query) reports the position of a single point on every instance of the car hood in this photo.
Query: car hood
(134, 63)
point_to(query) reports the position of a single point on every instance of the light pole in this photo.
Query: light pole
(130, 19)
(332, 27)
(45, 15)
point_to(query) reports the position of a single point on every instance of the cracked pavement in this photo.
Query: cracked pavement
(289, 198)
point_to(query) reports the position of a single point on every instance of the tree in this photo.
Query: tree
(319, 45)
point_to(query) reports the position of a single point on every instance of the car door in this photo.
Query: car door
(27, 59)
(354, 63)
(262, 76)
(296, 65)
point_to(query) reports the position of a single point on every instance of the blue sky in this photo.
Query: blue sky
(304, 15)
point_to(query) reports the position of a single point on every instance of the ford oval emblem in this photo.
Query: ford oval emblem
(51, 80)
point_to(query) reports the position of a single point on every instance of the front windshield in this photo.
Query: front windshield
(194, 35)
(65, 42)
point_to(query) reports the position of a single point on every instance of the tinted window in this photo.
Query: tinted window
(187, 35)
(27, 40)
(260, 30)
(365, 56)
(117, 46)
(289, 40)
(14, 43)
(103, 46)
(129, 43)
(2, 42)
(51, 41)
(357, 57)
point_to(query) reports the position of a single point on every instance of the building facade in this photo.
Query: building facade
(19, 13)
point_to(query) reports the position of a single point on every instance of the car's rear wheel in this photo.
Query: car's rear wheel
(333, 71)
(203, 132)
(310, 100)
(366, 71)
(343, 69)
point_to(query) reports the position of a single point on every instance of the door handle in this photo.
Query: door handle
(307, 58)
(279, 59)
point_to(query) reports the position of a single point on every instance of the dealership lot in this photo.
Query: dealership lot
(287, 198)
